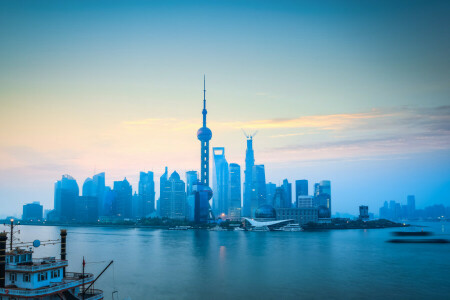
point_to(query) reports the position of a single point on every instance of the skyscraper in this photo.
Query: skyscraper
(66, 196)
(122, 204)
(203, 192)
(220, 182)
(411, 204)
(99, 185)
(33, 212)
(248, 177)
(258, 192)
(322, 198)
(270, 193)
(234, 207)
(287, 187)
(301, 189)
(146, 203)
(173, 198)
(191, 181)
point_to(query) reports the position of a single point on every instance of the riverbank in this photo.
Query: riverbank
(353, 224)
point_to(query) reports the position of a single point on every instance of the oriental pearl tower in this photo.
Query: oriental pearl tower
(202, 191)
(204, 134)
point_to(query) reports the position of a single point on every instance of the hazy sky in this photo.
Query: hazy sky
(356, 92)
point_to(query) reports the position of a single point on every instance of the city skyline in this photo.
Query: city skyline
(373, 121)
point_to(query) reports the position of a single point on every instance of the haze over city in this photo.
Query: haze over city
(354, 93)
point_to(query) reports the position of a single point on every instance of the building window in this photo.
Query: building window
(12, 277)
(26, 277)
(42, 276)
(55, 273)
(16, 258)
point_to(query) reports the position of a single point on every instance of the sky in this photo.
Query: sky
(356, 92)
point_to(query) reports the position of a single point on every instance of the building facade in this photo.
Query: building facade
(220, 182)
(33, 212)
(234, 207)
(146, 203)
(300, 216)
(66, 196)
(122, 203)
(173, 198)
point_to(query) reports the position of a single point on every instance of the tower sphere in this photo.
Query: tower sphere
(204, 134)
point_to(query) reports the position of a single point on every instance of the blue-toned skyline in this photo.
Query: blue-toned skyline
(352, 92)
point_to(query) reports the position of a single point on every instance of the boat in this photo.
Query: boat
(24, 277)
(180, 228)
(239, 229)
(218, 228)
(260, 228)
(412, 233)
(419, 241)
(291, 227)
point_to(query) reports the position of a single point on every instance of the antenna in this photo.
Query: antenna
(249, 136)
(245, 133)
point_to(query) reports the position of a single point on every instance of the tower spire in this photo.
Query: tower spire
(204, 91)
(204, 112)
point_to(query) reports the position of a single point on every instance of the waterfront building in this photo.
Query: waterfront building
(248, 178)
(300, 216)
(146, 204)
(95, 187)
(287, 187)
(108, 200)
(32, 212)
(265, 217)
(65, 198)
(234, 206)
(364, 212)
(191, 181)
(301, 189)
(322, 199)
(220, 182)
(136, 206)
(202, 210)
(270, 193)
(304, 201)
(122, 204)
(173, 198)
(411, 203)
(86, 209)
(278, 199)
(258, 188)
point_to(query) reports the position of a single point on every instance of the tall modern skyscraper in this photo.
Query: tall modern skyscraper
(173, 198)
(411, 206)
(270, 192)
(191, 181)
(234, 207)
(203, 192)
(146, 203)
(66, 196)
(220, 182)
(287, 187)
(122, 204)
(258, 194)
(322, 198)
(301, 189)
(248, 177)
(99, 185)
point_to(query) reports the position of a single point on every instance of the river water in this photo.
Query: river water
(340, 264)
